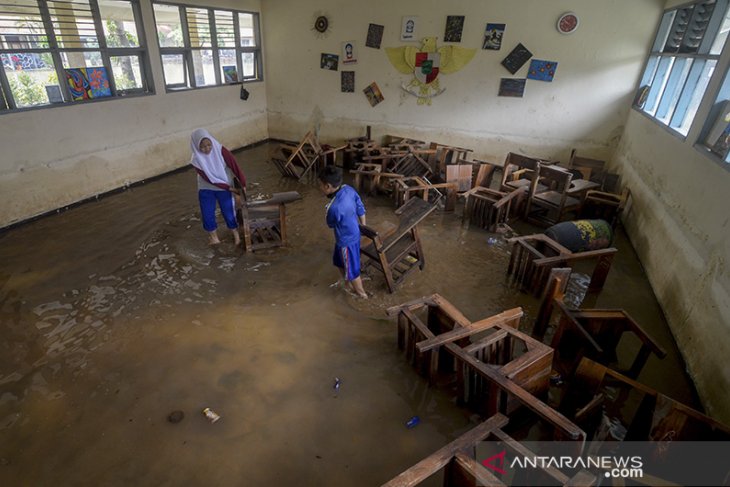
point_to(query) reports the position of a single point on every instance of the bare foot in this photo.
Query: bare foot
(214, 241)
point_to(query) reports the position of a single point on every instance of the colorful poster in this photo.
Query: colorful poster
(722, 145)
(349, 56)
(454, 27)
(88, 83)
(347, 81)
(408, 29)
(230, 74)
(542, 70)
(493, 37)
(375, 36)
(372, 92)
(329, 61)
(514, 87)
(516, 59)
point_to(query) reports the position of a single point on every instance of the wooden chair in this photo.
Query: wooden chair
(398, 254)
(444, 155)
(548, 206)
(590, 169)
(604, 206)
(307, 157)
(483, 173)
(264, 221)
(461, 175)
(534, 256)
(431, 330)
(404, 188)
(489, 208)
(366, 177)
(459, 461)
(519, 172)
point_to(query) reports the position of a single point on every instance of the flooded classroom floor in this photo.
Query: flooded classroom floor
(116, 313)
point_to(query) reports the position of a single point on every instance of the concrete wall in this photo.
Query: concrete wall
(585, 106)
(57, 156)
(679, 226)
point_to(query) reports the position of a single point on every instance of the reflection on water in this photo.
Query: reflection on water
(116, 313)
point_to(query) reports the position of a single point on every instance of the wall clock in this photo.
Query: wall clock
(568, 23)
(321, 25)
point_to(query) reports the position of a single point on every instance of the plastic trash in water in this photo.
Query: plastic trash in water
(411, 423)
(491, 241)
(336, 386)
(211, 415)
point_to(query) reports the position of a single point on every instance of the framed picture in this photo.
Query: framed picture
(493, 37)
(329, 61)
(88, 83)
(347, 81)
(514, 87)
(373, 94)
(516, 59)
(54, 94)
(375, 36)
(408, 28)
(722, 144)
(454, 28)
(349, 56)
(230, 74)
(542, 70)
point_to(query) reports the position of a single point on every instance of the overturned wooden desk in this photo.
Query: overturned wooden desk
(264, 221)
(398, 253)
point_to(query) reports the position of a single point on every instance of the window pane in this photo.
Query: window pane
(173, 66)
(73, 23)
(118, 20)
(658, 84)
(697, 27)
(721, 34)
(229, 71)
(198, 27)
(246, 30)
(85, 59)
(28, 75)
(224, 31)
(127, 75)
(673, 88)
(693, 95)
(678, 29)
(21, 26)
(169, 27)
(203, 67)
(249, 64)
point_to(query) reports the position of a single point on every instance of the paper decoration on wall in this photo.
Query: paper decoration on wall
(328, 61)
(493, 37)
(408, 28)
(512, 87)
(641, 95)
(454, 27)
(375, 36)
(372, 92)
(721, 121)
(230, 74)
(516, 59)
(321, 24)
(425, 64)
(349, 56)
(542, 70)
(347, 81)
(722, 145)
(54, 94)
(88, 83)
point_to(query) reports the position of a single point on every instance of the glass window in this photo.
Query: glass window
(684, 55)
(99, 34)
(220, 46)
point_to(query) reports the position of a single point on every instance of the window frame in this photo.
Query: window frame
(187, 49)
(685, 87)
(8, 103)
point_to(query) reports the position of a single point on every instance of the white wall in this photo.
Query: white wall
(585, 106)
(680, 228)
(57, 156)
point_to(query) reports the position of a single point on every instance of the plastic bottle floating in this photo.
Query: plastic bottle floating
(413, 422)
(211, 415)
(336, 386)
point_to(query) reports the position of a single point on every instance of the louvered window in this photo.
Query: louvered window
(204, 47)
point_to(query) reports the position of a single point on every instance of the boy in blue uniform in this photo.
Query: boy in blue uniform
(345, 213)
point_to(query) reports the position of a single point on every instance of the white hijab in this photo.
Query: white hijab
(211, 164)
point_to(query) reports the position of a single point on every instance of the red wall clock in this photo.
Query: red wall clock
(568, 23)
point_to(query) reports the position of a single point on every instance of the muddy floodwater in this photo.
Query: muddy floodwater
(116, 313)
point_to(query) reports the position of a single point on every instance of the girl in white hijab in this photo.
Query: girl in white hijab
(217, 172)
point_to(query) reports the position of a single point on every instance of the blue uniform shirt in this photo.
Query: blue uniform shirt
(342, 215)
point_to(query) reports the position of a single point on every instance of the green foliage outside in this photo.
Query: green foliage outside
(27, 91)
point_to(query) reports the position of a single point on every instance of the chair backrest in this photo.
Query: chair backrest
(591, 169)
(516, 162)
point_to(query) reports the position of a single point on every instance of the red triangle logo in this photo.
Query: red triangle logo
(496, 462)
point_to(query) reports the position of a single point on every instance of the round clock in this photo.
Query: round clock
(568, 23)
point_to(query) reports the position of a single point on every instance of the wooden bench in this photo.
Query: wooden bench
(489, 208)
(405, 188)
(263, 222)
(307, 157)
(398, 254)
